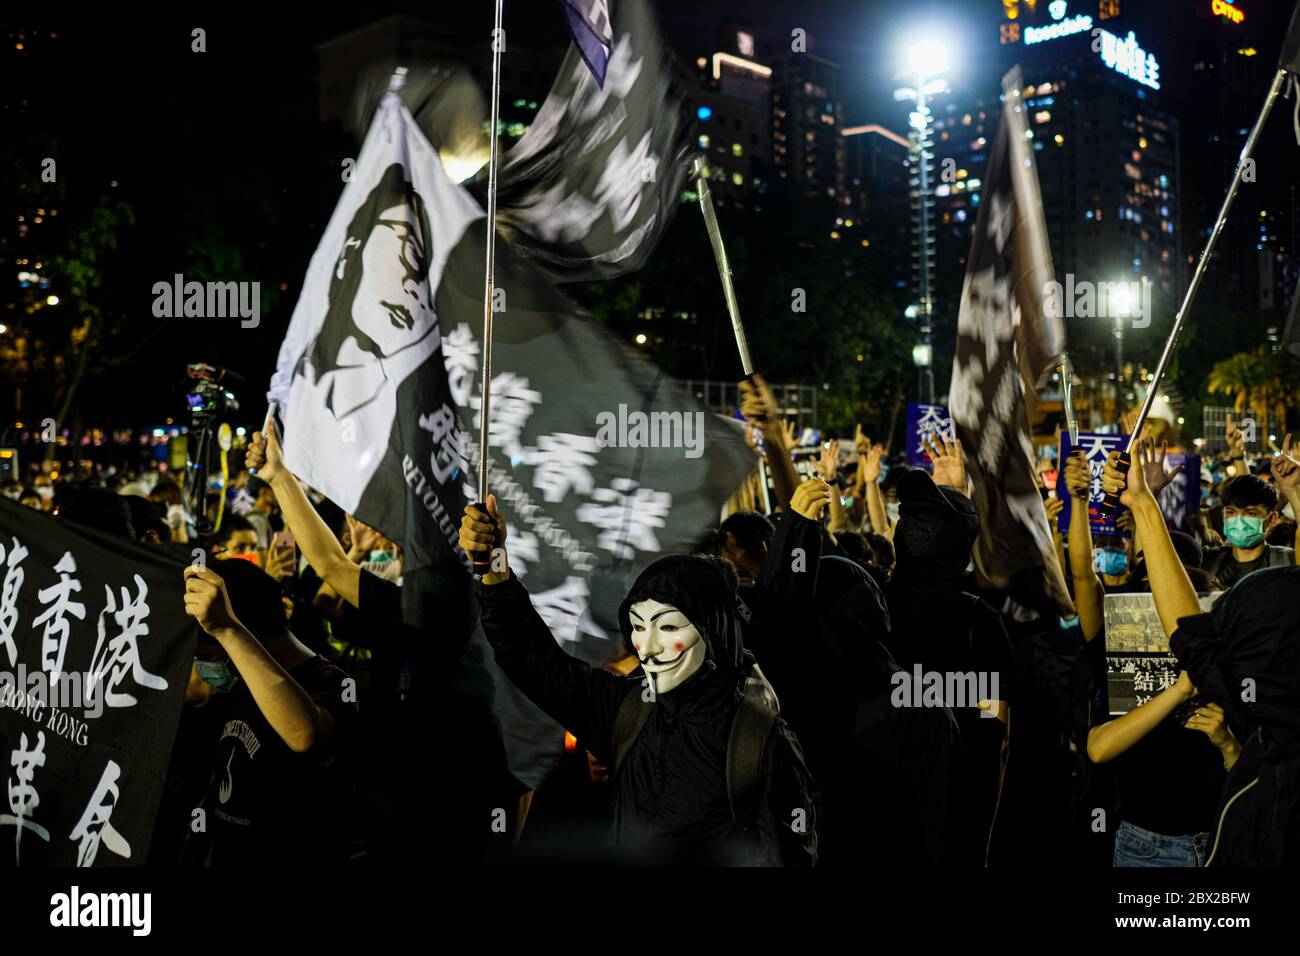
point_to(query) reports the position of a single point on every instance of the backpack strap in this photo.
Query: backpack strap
(631, 719)
(750, 728)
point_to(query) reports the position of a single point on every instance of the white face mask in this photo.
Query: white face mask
(669, 646)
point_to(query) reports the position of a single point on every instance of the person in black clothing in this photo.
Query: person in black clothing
(280, 792)
(672, 803)
(945, 630)
(420, 631)
(883, 770)
(1244, 656)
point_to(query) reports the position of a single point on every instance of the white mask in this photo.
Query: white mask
(668, 644)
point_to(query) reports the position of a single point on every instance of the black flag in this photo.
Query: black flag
(1007, 344)
(95, 656)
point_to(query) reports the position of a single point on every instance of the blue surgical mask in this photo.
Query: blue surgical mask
(1110, 563)
(1067, 623)
(1243, 531)
(221, 676)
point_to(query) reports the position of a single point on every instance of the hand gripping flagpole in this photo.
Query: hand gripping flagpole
(1111, 502)
(482, 560)
(700, 172)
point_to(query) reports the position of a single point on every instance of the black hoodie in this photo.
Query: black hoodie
(1244, 655)
(670, 796)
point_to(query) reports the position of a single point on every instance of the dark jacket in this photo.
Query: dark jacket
(670, 799)
(1244, 655)
(884, 770)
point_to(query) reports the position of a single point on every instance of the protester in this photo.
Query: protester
(281, 788)
(1244, 657)
(942, 627)
(674, 801)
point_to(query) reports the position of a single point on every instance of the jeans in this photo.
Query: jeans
(1135, 846)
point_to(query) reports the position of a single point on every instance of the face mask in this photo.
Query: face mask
(1067, 623)
(46, 492)
(1211, 501)
(221, 676)
(376, 556)
(669, 646)
(891, 509)
(1110, 563)
(1243, 532)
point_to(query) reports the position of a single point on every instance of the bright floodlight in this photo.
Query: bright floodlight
(927, 58)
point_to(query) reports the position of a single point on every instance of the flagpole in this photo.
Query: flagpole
(1111, 501)
(699, 170)
(482, 560)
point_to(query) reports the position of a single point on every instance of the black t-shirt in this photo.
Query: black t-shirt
(270, 804)
(1170, 781)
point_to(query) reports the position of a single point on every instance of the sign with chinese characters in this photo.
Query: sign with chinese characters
(95, 656)
(1127, 57)
(1139, 664)
(924, 421)
(1096, 448)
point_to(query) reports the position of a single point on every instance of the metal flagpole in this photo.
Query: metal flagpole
(700, 172)
(1111, 502)
(482, 560)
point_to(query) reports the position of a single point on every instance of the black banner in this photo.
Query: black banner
(95, 655)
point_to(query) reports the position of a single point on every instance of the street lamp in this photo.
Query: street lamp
(926, 62)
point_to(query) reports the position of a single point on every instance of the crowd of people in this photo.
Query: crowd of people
(768, 703)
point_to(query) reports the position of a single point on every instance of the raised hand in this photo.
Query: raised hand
(811, 499)
(948, 459)
(364, 538)
(860, 441)
(1131, 487)
(1153, 465)
(1078, 477)
(787, 430)
(871, 462)
(1286, 470)
(828, 462)
(758, 404)
(1236, 441)
(263, 455)
(477, 534)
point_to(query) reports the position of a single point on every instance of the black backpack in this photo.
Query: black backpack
(751, 725)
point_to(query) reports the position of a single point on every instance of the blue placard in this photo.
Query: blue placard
(1097, 449)
(923, 420)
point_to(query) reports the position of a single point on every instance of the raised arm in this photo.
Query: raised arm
(1088, 592)
(759, 407)
(581, 699)
(1174, 595)
(869, 470)
(1286, 472)
(301, 723)
(319, 545)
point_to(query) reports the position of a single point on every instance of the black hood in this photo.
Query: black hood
(703, 589)
(937, 527)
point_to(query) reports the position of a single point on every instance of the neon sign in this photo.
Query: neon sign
(1063, 28)
(1227, 10)
(1125, 56)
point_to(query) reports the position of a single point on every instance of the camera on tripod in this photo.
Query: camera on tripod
(210, 399)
